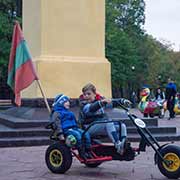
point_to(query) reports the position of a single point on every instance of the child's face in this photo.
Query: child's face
(67, 104)
(89, 95)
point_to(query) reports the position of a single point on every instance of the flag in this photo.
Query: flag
(21, 72)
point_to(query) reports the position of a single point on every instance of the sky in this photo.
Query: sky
(163, 20)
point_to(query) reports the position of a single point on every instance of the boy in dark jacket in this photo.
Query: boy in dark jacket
(69, 126)
(92, 108)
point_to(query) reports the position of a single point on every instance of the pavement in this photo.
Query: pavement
(28, 163)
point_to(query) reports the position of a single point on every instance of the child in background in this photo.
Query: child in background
(69, 126)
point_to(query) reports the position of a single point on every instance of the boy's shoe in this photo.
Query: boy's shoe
(119, 145)
(82, 153)
(88, 154)
(122, 146)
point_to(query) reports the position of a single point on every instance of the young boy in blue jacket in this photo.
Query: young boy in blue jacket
(69, 125)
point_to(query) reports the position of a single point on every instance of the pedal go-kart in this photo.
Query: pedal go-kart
(151, 107)
(59, 156)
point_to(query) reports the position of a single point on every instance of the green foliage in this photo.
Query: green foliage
(7, 15)
(127, 45)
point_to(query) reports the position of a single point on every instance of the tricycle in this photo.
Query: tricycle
(59, 154)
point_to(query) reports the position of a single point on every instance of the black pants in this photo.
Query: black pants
(170, 107)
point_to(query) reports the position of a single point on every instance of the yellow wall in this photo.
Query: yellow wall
(66, 40)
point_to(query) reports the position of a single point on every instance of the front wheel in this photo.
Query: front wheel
(58, 158)
(171, 153)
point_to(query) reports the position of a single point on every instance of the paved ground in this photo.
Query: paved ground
(27, 163)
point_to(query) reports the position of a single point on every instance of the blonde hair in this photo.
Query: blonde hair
(88, 87)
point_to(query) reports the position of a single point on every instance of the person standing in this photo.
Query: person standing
(170, 97)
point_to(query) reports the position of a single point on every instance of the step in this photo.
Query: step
(28, 132)
(5, 104)
(24, 141)
(41, 140)
(154, 130)
(15, 122)
(159, 137)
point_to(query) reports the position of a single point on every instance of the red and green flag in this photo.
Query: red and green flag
(21, 72)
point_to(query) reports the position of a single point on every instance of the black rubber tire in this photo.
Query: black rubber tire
(93, 165)
(145, 115)
(151, 115)
(170, 152)
(62, 157)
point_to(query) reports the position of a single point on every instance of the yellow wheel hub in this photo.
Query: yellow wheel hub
(175, 162)
(56, 158)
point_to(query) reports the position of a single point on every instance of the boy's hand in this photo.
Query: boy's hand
(127, 102)
(106, 101)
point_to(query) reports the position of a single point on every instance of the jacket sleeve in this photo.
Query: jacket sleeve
(91, 108)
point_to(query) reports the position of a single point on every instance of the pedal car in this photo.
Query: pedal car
(151, 107)
(59, 156)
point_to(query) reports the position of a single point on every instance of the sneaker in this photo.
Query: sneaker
(122, 146)
(89, 155)
(118, 146)
(82, 153)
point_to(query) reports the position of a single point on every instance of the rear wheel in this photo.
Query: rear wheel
(171, 153)
(58, 158)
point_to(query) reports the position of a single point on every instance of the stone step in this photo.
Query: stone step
(154, 130)
(42, 140)
(5, 104)
(15, 122)
(24, 132)
(30, 132)
(159, 137)
(24, 141)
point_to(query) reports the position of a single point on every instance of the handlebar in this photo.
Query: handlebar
(117, 101)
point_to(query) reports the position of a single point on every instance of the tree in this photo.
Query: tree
(123, 24)
(7, 15)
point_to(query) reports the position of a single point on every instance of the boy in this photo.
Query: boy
(92, 108)
(69, 126)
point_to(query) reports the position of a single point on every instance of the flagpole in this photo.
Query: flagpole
(45, 99)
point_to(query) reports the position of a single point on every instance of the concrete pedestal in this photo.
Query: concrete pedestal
(67, 42)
